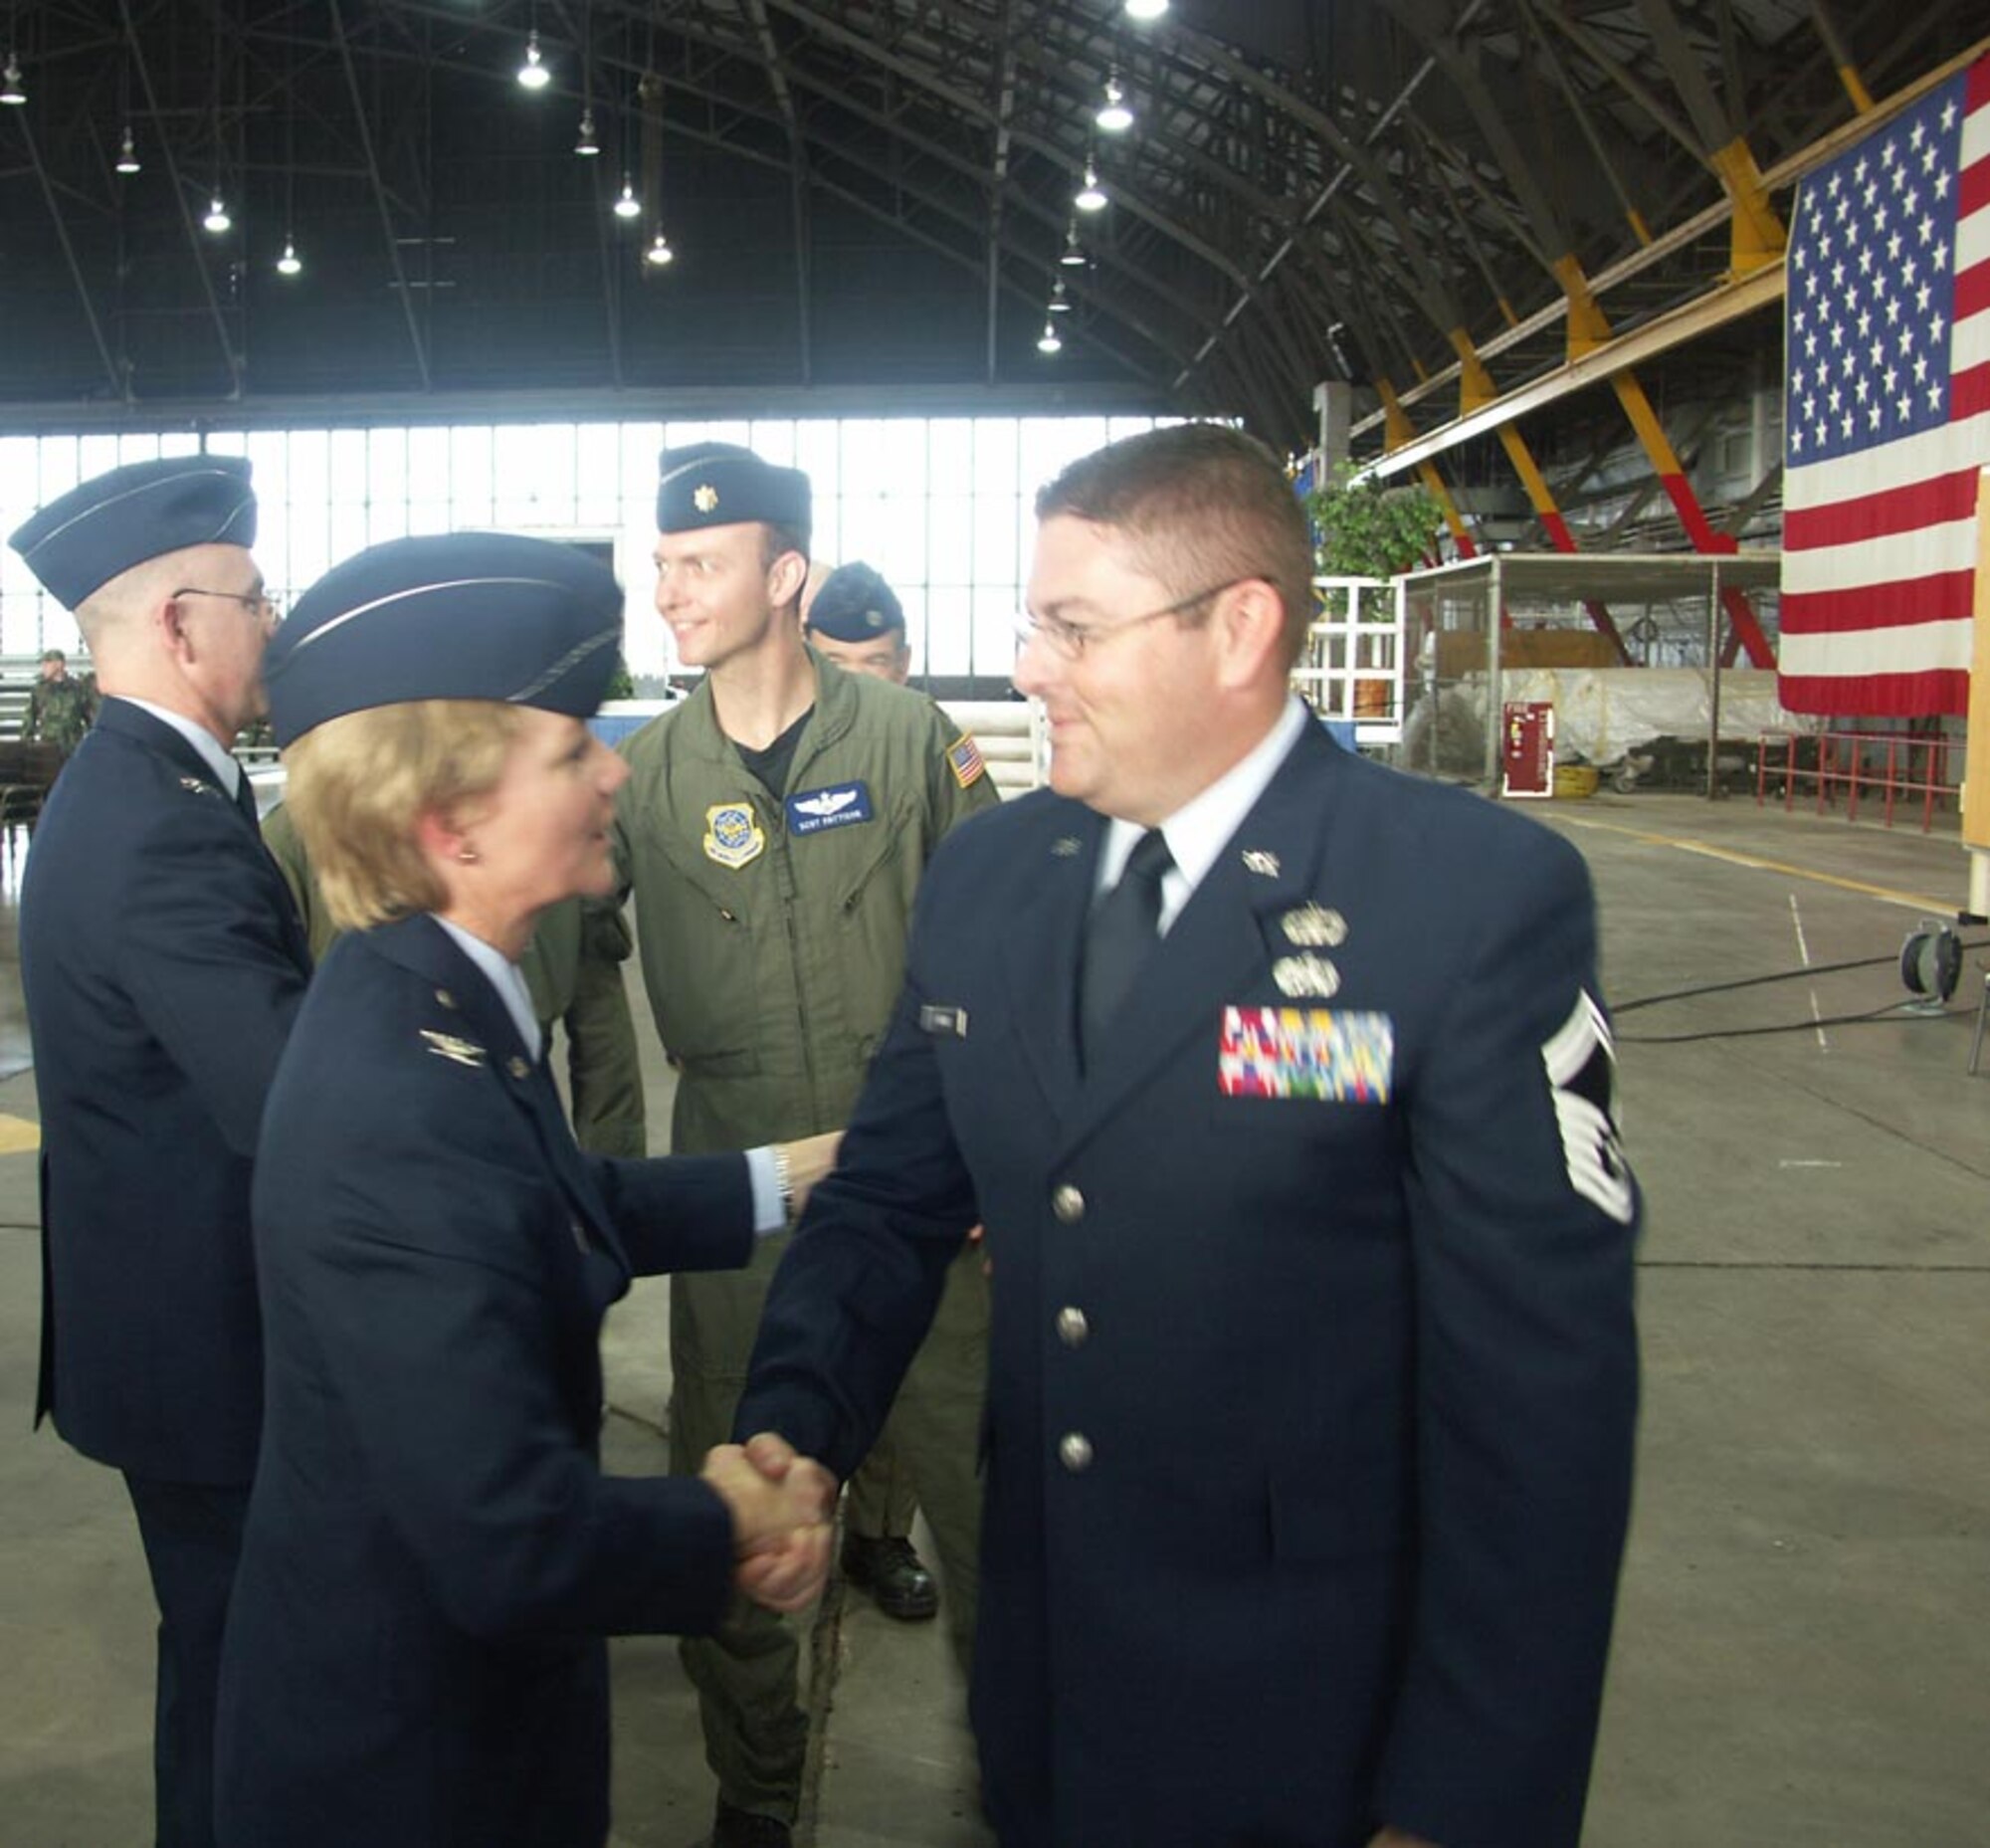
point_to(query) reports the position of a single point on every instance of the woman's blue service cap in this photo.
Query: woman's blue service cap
(460, 616)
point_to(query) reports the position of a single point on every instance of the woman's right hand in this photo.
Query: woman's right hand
(809, 1160)
(783, 1506)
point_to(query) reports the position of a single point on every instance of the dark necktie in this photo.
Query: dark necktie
(1119, 937)
(245, 799)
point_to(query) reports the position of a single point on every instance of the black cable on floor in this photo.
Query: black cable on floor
(1781, 975)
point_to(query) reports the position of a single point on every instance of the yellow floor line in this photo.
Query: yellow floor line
(1913, 901)
(18, 1134)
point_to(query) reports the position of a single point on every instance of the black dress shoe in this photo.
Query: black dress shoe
(893, 1574)
(741, 1828)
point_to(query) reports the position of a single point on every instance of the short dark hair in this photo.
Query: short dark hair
(777, 541)
(1201, 504)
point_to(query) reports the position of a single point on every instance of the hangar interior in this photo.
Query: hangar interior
(1526, 253)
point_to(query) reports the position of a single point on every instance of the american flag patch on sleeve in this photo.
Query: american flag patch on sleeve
(964, 761)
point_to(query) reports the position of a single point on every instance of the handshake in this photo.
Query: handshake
(783, 1507)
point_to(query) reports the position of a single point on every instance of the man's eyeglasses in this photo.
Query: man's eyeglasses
(1072, 639)
(260, 605)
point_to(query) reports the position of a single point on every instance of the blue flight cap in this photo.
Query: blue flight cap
(77, 544)
(722, 485)
(854, 604)
(456, 616)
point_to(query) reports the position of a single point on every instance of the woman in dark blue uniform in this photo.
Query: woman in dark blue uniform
(433, 1555)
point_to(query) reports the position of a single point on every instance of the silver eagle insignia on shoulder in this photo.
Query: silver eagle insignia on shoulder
(447, 1046)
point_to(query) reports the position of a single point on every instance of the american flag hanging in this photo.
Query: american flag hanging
(1886, 421)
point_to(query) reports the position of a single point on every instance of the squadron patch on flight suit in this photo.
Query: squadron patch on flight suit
(837, 806)
(1334, 1055)
(963, 758)
(1582, 1065)
(732, 835)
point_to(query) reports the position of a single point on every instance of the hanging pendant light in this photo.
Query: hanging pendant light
(1048, 342)
(659, 252)
(628, 205)
(1090, 197)
(532, 74)
(290, 262)
(216, 220)
(586, 144)
(1115, 113)
(127, 153)
(12, 90)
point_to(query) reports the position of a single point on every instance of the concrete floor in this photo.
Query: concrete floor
(1803, 1654)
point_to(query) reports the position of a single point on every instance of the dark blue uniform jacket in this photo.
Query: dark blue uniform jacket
(433, 1555)
(1313, 1378)
(162, 965)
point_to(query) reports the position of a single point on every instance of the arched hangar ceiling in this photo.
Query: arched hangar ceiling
(870, 195)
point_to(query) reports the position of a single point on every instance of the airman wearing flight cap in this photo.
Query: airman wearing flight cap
(433, 1555)
(163, 963)
(773, 831)
(855, 620)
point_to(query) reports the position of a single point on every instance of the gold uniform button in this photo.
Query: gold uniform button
(1075, 1451)
(1072, 1327)
(1067, 1203)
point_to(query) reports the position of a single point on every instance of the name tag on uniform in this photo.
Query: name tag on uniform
(1333, 1055)
(951, 1021)
(836, 806)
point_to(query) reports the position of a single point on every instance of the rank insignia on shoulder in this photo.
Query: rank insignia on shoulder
(945, 1020)
(1581, 1064)
(1257, 859)
(1314, 927)
(963, 758)
(447, 1046)
(733, 834)
(1065, 846)
(198, 787)
(1328, 1055)
(1306, 975)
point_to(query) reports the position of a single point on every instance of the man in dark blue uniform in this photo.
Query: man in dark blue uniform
(1282, 1088)
(162, 963)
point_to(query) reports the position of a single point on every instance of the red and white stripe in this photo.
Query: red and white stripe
(1879, 547)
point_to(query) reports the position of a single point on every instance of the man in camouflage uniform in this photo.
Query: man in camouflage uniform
(773, 832)
(60, 709)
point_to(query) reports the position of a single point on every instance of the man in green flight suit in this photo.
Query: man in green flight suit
(60, 709)
(773, 832)
(574, 972)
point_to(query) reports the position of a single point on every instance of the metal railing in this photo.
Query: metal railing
(1882, 766)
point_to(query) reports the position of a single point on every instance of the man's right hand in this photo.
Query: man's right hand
(783, 1506)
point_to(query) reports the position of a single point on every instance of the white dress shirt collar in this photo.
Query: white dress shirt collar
(227, 772)
(504, 975)
(1198, 831)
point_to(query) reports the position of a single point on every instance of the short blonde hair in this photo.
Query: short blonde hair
(359, 782)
